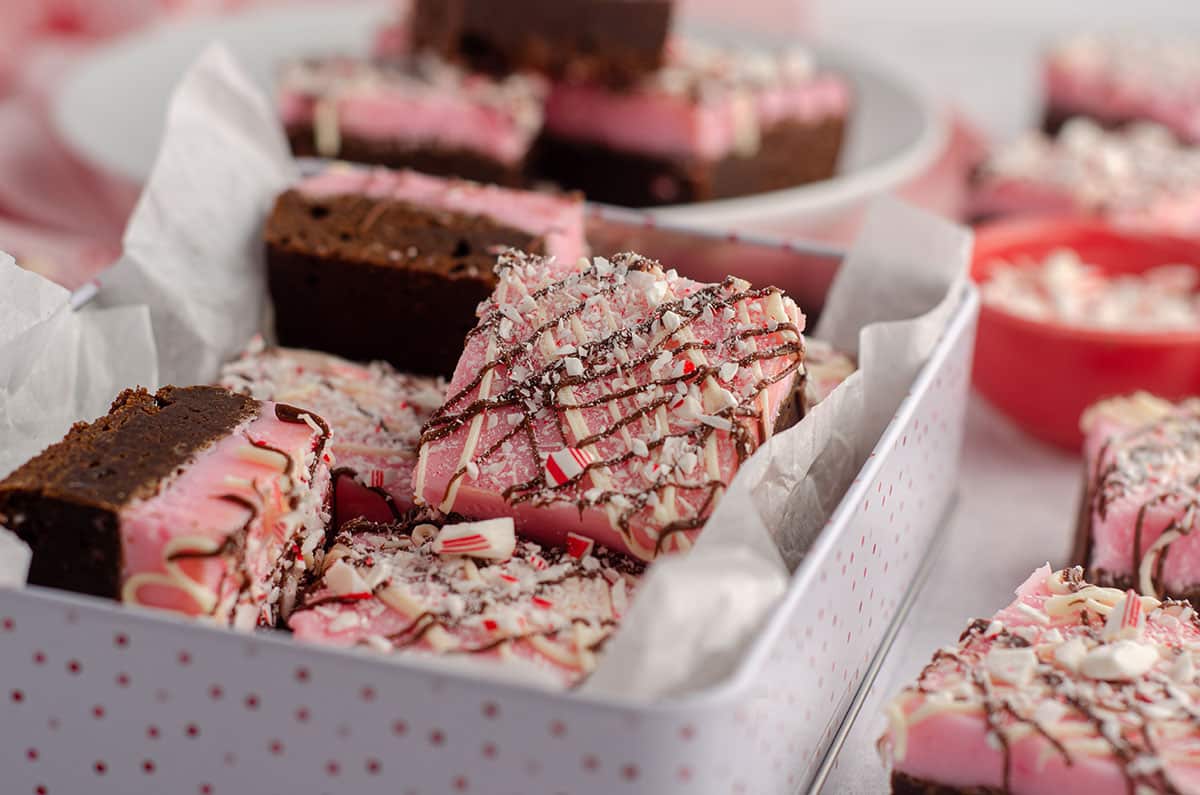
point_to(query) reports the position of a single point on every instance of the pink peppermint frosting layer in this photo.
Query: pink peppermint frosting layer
(617, 402)
(557, 219)
(704, 104)
(1138, 178)
(1143, 469)
(374, 413)
(232, 535)
(419, 103)
(387, 588)
(1128, 77)
(1072, 688)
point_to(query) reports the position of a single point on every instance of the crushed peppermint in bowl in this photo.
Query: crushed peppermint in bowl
(1062, 287)
(1075, 310)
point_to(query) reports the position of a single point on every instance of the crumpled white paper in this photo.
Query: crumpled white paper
(57, 365)
(194, 257)
(193, 247)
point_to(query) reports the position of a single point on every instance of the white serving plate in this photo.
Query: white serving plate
(111, 108)
(97, 697)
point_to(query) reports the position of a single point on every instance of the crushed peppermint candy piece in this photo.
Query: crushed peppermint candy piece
(1011, 665)
(579, 546)
(565, 465)
(1127, 619)
(490, 539)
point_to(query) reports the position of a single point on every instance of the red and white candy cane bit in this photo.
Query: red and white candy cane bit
(1132, 617)
(491, 539)
(377, 478)
(508, 578)
(689, 367)
(562, 465)
(543, 603)
(490, 625)
(538, 562)
(466, 543)
(1126, 619)
(578, 546)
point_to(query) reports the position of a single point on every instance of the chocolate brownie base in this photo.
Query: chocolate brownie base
(462, 163)
(372, 279)
(905, 785)
(790, 154)
(64, 502)
(614, 42)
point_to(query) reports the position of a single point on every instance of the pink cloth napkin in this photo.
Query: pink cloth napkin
(64, 218)
(58, 215)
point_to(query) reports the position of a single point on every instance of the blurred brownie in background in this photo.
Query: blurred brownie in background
(613, 42)
(1118, 78)
(419, 112)
(713, 123)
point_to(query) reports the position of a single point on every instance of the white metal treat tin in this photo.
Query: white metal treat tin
(95, 697)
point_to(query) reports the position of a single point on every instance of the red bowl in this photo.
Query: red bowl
(1044, 374)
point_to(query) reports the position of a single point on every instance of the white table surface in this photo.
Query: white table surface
(1016, 511)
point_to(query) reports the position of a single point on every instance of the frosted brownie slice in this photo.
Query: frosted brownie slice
(468, 588)
(1071, 688)
(417, 112)
(373, 264)
(374, 413)
(612, 41)
(1138, 177)
(1118, 78)
(1142, 459)
(191, 499)
(713, 123)
(616, 402)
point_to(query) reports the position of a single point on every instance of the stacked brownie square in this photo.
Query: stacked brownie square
(591, 95)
